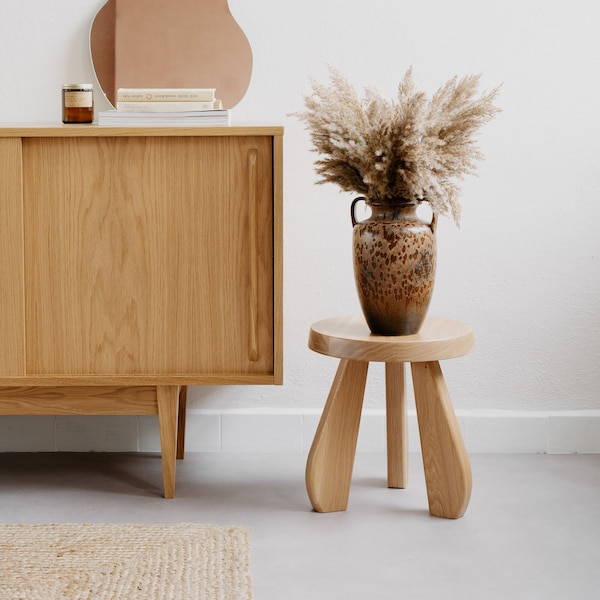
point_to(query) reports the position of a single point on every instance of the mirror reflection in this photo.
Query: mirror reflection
(170, 44)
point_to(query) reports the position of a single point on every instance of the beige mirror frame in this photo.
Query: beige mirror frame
(170, 44)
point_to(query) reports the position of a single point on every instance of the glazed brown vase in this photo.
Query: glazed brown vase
(394, 266)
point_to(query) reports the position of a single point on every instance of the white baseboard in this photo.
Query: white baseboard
(272, 430)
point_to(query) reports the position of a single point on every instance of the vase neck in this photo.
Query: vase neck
(393, 210)
(392, 203)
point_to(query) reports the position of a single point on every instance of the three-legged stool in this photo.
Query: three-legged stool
(445, 460)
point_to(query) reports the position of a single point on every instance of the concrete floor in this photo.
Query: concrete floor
(532, 529)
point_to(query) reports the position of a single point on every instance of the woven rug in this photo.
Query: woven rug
(124, 562)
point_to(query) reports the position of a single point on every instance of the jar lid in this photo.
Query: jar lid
(77, 86)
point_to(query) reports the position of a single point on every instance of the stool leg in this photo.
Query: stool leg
(397, 429)
(445, 458)
(331, 458)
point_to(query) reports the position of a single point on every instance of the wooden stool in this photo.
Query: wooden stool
(445, 460)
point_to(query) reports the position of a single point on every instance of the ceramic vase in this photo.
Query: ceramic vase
(394, 266)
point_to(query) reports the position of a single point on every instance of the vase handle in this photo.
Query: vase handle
(434, 217)
(433, 224)
(352, 209)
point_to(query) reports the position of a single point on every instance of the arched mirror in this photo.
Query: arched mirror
(170, 44)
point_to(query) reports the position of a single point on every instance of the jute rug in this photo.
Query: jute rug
(124, 562)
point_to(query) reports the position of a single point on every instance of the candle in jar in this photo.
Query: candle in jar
(78, 103)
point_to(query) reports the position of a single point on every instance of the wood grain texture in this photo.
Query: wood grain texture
(154, 261)
(349, 337)
(446, 462)
(168, 406)
(253, 195)
(278, 259)
(445, 459)
(12, 285)
(331, 457)
(56, 130)
(140, 379)
(78, 400)
(135, 258)
(396, 425)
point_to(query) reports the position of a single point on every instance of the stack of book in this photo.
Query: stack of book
(165, 107)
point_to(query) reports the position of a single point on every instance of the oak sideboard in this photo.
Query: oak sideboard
(137, 261)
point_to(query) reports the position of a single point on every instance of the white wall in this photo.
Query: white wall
(524, 267)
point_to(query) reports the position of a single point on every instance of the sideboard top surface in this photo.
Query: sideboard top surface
(24, 130)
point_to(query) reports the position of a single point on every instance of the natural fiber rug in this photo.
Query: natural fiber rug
(124, 562)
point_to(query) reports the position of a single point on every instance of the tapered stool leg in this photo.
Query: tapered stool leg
(445, 459)
(331, 457)
(397, 429)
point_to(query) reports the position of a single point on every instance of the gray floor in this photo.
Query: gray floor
(532, 529)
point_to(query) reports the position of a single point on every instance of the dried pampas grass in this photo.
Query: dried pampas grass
(412, 148)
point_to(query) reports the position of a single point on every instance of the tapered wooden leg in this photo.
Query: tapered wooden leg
(331, 458)
(397, 428)
(168, 404)
(181, 415)
(445, 458)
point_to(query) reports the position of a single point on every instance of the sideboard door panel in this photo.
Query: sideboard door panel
(148, 255)
(12, 292)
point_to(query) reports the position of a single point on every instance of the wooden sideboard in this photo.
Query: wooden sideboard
(137, 261)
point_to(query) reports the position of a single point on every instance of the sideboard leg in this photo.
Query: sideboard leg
(331, 458)
(397, 429)
(445, 459)
(168, 403)
(181, 416)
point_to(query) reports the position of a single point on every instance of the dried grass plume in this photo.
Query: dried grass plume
(412, 148)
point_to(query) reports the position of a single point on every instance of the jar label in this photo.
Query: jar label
(79, 99)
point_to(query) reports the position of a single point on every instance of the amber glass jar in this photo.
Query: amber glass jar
(78, 103)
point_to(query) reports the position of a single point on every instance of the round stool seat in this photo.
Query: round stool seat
(350, 337)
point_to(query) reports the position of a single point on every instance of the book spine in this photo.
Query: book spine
(165, 95)
(164, 106)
